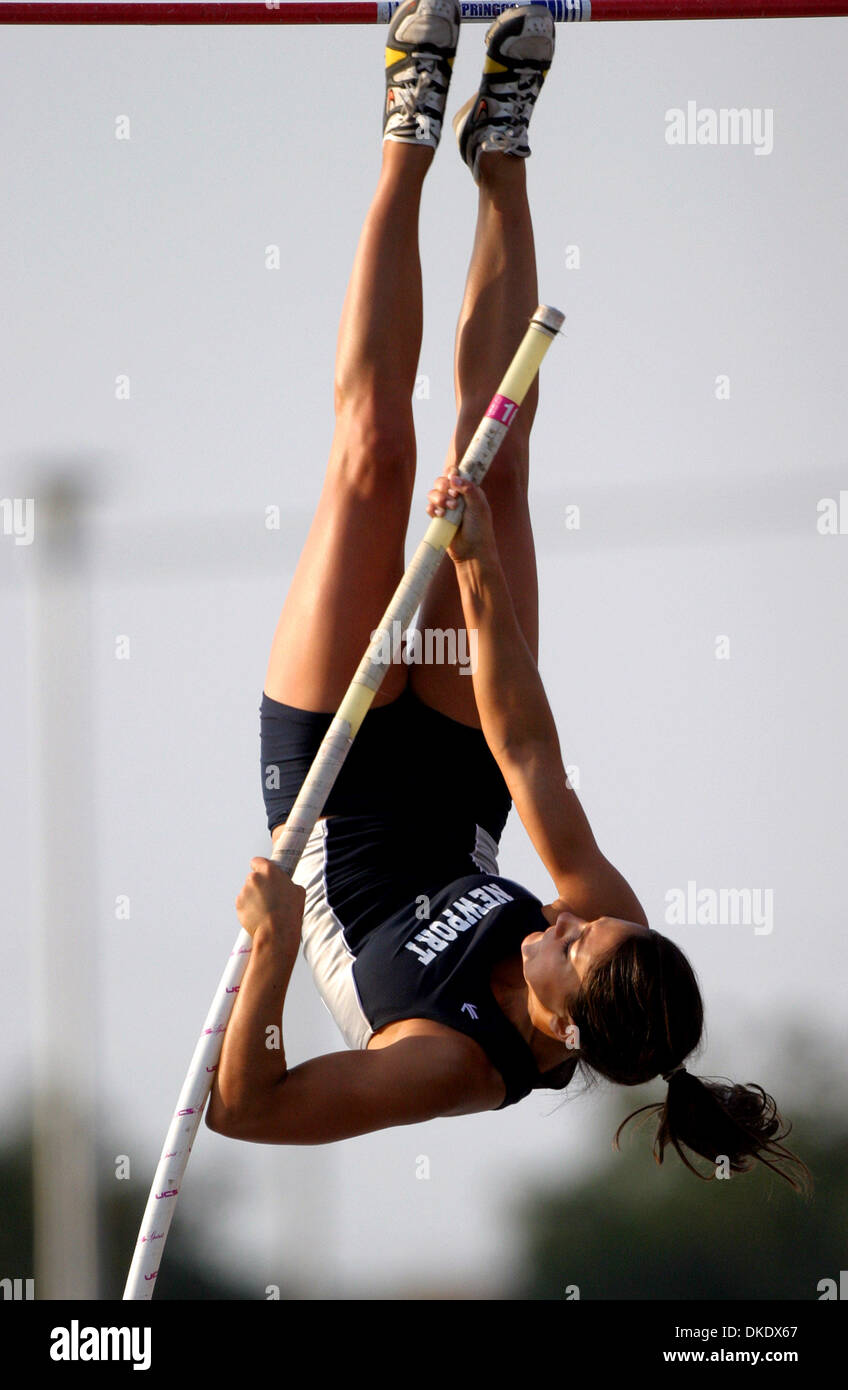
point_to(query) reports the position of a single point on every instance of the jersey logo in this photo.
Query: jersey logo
(463, 913)
(469, 1009)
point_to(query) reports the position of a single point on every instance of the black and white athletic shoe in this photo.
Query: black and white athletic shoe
(420, 50)
(519, 51)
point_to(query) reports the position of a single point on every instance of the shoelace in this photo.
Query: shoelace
(415, 92)
(517, 103)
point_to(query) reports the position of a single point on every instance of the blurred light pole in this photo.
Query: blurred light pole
(64, 917)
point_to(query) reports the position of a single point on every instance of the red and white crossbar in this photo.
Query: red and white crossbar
(381, 11)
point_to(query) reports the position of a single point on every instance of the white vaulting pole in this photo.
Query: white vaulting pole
(543, 328)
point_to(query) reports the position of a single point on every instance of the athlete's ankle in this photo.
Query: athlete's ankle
(407, 161)
(498, 164)
(501, 177)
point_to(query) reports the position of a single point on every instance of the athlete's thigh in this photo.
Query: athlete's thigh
(348, 570)
(449, 687)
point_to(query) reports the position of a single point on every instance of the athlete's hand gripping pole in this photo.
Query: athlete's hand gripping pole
(543, 328)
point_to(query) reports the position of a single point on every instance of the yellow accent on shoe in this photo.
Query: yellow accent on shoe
(491, 66)
(394, 55)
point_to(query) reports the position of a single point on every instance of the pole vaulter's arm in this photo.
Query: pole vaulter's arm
(161, 1203)
(520, 730)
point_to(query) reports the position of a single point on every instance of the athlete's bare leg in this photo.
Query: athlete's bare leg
(353, 555)
(501, 294)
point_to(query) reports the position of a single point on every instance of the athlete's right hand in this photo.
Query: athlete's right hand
(269, 897)
(475, 538)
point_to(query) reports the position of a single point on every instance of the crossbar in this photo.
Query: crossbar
(380, 11)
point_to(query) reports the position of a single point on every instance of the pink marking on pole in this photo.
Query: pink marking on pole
(233, 989)
(502, 409)
(151, 1276)
(190, 1110)
(173, 1193)
(215, 1068)
(219, 1028)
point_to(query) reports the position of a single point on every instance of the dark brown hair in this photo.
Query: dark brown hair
(639, 1014)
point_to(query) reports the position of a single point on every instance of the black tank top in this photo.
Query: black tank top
(433, 958)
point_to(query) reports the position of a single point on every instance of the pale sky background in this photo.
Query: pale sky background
(146, 257)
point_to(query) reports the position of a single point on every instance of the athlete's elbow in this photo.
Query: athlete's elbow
(222, 1119)
(526, 752)
(254, 1119)
(231, 1119)
(238, 1124)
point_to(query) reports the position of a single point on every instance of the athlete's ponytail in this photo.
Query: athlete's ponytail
(639, 1014)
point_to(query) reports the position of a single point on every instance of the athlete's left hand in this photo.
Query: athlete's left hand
(475, 537)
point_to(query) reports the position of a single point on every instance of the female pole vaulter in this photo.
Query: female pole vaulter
(455, 989)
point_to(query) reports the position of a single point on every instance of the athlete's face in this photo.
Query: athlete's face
(556, 962)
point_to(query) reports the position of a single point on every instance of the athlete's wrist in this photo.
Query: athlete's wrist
(278, 936)
(479, 575)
